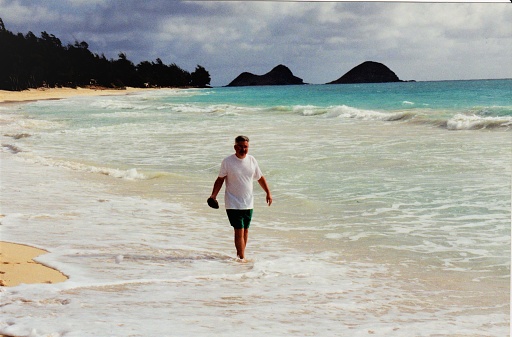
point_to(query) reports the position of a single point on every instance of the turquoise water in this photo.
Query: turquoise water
(391, 211)
(483, 97)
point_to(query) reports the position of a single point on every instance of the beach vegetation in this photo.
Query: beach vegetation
(28, 61)
(200, 77)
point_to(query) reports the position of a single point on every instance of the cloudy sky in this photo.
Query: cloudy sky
(318, 41)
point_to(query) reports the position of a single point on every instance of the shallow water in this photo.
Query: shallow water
(385, 221)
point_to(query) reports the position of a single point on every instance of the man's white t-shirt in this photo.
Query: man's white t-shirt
(239, 174)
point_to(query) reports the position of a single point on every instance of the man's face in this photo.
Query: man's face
(241, 149)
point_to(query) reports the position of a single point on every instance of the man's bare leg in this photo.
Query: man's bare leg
(241, 237)
(246, 237)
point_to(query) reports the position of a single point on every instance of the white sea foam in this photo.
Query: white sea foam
(35, 124)
(343, 111)
(470, 122)
(123, 114)
(129, 174)
(115, 105)
(350, 112)
(309, 110)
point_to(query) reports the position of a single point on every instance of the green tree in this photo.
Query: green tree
(200, 77)
(28, 61)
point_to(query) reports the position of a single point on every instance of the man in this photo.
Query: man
(239, 170)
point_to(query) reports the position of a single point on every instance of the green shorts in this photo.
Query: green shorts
(239, 218)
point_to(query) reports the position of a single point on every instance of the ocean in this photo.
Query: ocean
(391, 212)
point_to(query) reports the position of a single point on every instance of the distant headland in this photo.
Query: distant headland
(366, 72)
(280, 75)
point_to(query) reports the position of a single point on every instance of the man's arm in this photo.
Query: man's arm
(217, 186)
(263, 183)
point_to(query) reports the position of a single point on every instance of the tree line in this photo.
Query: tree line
(28, 61)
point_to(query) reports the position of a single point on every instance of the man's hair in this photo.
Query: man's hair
(241, 139)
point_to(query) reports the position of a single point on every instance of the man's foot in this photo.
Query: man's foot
(241, 259)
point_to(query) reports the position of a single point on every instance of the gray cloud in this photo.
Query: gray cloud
(319, 41)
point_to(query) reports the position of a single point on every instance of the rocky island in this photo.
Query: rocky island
(368, 72)
(280, 75)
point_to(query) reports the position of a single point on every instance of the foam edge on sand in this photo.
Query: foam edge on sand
(17, 266)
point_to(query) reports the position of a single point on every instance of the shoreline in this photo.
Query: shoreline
(17, 266)
(31, 95)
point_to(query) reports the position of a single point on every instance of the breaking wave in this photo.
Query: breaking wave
(344, 111)
(128, 174)
(474, 122)
(461, 121)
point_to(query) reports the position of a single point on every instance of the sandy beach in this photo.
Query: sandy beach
(17, 266)
(59, 93)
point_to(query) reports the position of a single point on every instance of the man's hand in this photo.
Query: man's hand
(212, 203)
(263, 183)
